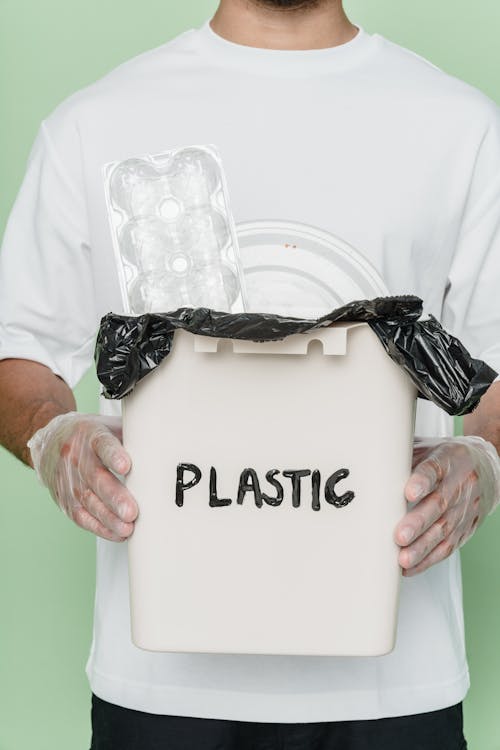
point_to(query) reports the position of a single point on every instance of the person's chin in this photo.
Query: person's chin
(287, 4)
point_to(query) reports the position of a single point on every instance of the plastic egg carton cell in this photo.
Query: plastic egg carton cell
(173, 234)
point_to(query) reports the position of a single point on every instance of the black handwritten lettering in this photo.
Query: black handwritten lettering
(316, 482)
(296, 475)
(270, 476)
(249, 483)
(214, 501)
(249, 486)
(339, 501)
(181, 485)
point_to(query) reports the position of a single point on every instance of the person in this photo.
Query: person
(323, 123)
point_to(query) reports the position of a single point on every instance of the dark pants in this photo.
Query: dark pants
(116, 728)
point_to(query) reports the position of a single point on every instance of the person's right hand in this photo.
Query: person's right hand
(75, 456)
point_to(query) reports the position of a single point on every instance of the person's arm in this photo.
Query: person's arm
(74, 454)
(30, 396)
(485, 419)
(459, 477)
(48, 320)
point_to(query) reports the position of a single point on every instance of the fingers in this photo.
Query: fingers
(87, 510)
(85, 520)
(446, 490)
(107, 488)
(442, 461)
(106, 497)
(106, 517)
(112, 493)
(83, 483)
(450, 527)
(424, 479)
(416, 552)
(439, 553)
(428, 532)
(457, 489)
(111, 452)
(420, 518)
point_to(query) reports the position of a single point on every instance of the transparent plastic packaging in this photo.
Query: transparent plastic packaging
(301, 270)
(173, 233)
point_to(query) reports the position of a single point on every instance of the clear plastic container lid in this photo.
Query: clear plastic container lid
(297, 270)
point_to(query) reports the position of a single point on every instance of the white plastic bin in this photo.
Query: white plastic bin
(282, 578)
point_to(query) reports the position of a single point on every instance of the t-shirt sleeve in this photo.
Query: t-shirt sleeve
(47, 308)
(471, 308)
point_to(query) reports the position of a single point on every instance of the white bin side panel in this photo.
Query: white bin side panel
(271, 579)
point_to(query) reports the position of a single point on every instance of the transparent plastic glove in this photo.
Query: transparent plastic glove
(75, 456)
(454, 485)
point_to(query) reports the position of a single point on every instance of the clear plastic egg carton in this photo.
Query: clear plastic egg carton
(173, 233)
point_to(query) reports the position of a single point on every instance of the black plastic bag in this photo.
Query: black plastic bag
(441, 368)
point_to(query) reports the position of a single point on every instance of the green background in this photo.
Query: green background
(48, 50)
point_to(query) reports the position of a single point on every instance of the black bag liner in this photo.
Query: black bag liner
(128, 347)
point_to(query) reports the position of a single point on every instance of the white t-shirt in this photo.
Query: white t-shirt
(367, 141)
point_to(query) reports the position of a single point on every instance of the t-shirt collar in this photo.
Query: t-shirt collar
(284, 62)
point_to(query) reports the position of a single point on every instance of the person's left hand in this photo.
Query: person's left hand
(454, 485)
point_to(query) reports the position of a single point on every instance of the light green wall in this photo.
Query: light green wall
(48, 50)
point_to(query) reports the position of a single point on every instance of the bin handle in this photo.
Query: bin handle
(333, 338)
